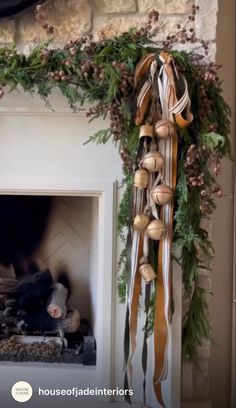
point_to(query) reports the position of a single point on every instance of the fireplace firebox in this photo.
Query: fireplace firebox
(48, 264)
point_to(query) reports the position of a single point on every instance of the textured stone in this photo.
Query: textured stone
(70, 19)
(168, 26)
(206, 20)
(108, 27)
(7, 31)
(211, 58)
(207, 58)
(207, 6)
(116, 6)
(177, 7)
(147, 5)
(187, 381)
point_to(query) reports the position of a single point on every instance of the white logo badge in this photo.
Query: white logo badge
(21, 391)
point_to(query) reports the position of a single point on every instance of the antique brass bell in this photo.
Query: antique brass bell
(165, 128)
(147, 272)
(153, 161)
(155, 230)
(145, 131)
(140, 222)
(162, 194)
(141, 178)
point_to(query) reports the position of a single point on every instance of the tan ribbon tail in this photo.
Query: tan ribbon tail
(161, 323)
(160, 330)
(158, 392)
(133, 323)
(174, 180)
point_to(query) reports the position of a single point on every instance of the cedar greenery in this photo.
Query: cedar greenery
(101, 73)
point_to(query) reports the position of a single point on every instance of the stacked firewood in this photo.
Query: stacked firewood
(36, 304)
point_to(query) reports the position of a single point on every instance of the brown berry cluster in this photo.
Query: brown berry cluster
(152, 20)
(126, 83)
(150, 26)
(96, 110)
(206, 202)
(45, 54)
(41, 17)
(205, 110)
(211, 73)
(194, 154)
(58, 75)
(87, 44)
(206, 206)
(73, 47)
(116, 121)
(125, 157)
(186, 33)
(192, 166)
(115, 116)
(91, 70)
(215, 162)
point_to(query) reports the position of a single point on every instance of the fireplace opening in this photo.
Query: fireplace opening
(48, 278)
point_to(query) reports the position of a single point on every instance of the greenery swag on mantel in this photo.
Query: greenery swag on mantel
(101, 73)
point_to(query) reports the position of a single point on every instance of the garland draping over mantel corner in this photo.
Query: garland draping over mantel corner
(171, 156)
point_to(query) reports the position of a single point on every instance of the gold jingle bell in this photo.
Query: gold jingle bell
(162, 194)
(155, 230)
(140, 222)
(147, 272)
(141, 178)
(165, 128)
(146, 131)
(153, 161)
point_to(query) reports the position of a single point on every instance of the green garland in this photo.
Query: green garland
(101, 73)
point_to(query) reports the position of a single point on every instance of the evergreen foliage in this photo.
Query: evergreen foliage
(101, 74)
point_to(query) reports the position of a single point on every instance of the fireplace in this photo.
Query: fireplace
(43, 154)
(49, 245)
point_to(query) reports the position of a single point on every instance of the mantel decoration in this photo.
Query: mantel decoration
(171, 124)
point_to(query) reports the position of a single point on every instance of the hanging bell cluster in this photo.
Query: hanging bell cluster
(162, 103)
(148, 179)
